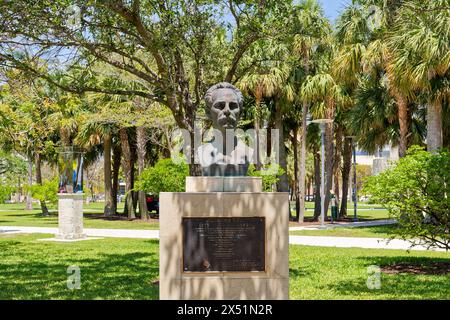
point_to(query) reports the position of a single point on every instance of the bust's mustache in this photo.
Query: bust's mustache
(223, 120)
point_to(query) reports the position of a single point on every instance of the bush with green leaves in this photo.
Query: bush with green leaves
(5, 192)
(269, 174)
(165, 176)
(47, 192)
(416, 191)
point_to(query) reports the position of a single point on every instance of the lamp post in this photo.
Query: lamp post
(322, 123)
(354, 189)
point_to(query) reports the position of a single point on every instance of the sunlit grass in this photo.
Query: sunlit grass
(15, 215)
(127, 268)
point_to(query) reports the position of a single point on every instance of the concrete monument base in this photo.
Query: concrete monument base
(70, 216)
(271, 283)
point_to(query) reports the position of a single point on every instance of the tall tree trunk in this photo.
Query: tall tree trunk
(38, 161)
(257, 127)
(302, 177)
(108, 210)
(434, 126)
(133, 177)
(141, 152)
(337, 164)
(283, 183)
(194, 168)
(404, 124)
(317, 204)
(29, 202)
(117, 156)
(126, 165)
(328, 165)
(296, 181)
(347, 165)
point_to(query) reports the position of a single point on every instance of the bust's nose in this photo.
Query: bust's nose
(227, 110)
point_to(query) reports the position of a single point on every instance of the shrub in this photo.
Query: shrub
(165, 176)
(416, 192)
(47, 192)
(270, 175)
(5, 192)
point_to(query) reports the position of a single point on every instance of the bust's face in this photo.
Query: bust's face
(225, 109)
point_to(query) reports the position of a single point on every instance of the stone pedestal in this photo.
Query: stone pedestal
(271, 283)
(223, 184)
(70, 216)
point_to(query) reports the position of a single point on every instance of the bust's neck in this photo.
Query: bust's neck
(225, 140)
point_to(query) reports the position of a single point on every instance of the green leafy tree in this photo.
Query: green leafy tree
(173, 50)
(416, 192)
(165, 176)
(46, 192)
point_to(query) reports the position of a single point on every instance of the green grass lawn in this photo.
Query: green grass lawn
(15, 215)
(365, 232)
(126, 268)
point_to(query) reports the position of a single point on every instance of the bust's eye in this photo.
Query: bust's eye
(233, 105)
(219, 105)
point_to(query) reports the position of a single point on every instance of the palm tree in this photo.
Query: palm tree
(265, 82)
(313, 31)
(322, 91)
(364, 50)
(420, 46)
(99, 129)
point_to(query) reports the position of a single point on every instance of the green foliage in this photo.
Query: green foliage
(5, 192)
(165, 176)
(46, 192)
(270, 175)
(416, 192)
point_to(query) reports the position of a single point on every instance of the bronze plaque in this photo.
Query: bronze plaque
(224, 244)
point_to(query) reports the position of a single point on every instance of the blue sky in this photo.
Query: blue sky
(332, 8)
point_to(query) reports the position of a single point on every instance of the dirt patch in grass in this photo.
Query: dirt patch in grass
(435, 268)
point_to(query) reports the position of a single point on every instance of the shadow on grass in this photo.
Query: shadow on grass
(44, 275)
(404, 285)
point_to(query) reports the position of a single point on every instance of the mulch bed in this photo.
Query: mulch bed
(436, 268)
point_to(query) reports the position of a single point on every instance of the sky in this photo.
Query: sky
(332, 8)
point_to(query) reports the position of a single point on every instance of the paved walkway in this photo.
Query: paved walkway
(346, 225)
(341, 242)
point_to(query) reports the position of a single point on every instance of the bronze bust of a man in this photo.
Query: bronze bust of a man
(225, 154)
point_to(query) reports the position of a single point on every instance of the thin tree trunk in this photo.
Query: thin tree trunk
(133, 176)
(404, 124)
(346, 166)
(117, 155)
(141, 152)
(317, 204)
(302, 177)
(38, 161)
(257, 127)
(29, 202)
(337, 165)
(296, 181)
(126, 165)
(328, 165)
(283, 183)
(434, 126)
(108, 210)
